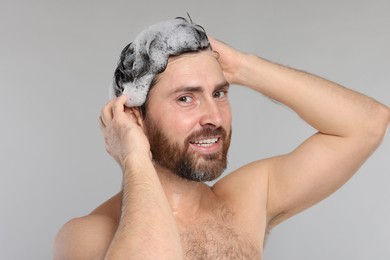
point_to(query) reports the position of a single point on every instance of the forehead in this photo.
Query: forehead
(191, 69)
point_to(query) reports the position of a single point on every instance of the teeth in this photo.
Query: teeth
(205, 142)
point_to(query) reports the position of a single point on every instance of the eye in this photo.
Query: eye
(185, 99)
(221, 94)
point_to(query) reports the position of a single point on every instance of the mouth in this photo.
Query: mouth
(207, 142)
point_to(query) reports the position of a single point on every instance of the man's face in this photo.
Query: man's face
(188, 122)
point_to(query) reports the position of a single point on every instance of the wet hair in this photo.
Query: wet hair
(147, 56)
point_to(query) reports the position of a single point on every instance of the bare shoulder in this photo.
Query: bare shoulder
(246, 186)
(89, 237)
(252, 174)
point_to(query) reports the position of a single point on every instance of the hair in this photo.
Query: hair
(145, 56)
(143, 107)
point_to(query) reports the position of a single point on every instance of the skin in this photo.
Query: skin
(148, 219)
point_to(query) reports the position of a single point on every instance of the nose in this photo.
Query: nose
(211, 114)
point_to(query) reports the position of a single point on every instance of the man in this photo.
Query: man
(170, 130)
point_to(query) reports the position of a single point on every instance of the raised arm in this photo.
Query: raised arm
(147, 229)
(350, 127)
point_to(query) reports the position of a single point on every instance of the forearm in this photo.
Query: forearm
(147, 229)
(328, 107)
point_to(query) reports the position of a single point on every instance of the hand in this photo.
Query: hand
(229, 59)
(122, 131)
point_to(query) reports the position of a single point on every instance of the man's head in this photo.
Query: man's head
(188, 119)
(147, 56)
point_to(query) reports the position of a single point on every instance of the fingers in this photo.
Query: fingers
(106, 114)
(119, 104)
(101, 123)
(114, 106)
(215, 43)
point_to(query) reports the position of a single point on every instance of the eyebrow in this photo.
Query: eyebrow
(188, 89)
(222, 85)
(199, 89)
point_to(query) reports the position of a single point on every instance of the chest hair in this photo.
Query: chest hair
(216, 237)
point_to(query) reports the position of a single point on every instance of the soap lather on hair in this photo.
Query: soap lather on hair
(148, 55)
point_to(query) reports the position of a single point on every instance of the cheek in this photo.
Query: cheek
(176, 125)
(182, 124)
(227, 115)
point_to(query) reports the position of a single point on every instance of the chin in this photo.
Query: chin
(202, 172)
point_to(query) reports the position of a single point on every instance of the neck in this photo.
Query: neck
(186, 198)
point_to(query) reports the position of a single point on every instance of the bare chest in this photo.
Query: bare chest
(218, 238)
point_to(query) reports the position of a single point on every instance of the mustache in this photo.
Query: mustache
(207, 132)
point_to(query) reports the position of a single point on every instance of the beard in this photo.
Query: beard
(181, 161)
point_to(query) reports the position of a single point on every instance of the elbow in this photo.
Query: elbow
(378, 124)
(384, 120)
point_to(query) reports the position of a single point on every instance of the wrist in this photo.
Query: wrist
(242, 72)
(135, 162)
(254, 72)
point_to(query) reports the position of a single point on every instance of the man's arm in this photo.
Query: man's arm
(350, 127)
(146, 229)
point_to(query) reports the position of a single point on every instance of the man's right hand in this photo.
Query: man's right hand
(122, 130)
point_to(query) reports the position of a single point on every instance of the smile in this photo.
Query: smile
(205, 142)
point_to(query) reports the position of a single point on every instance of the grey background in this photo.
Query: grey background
(57, 59)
